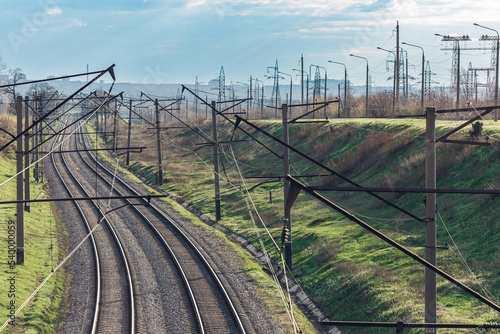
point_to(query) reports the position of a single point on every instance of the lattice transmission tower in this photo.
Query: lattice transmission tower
(222, 85)
(256, 94)
(402, 75)
(455, 64)
(428, 78)
(317, 85)
(275, 96)
(493, 62)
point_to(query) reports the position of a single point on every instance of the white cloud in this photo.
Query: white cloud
(445, 12)
(79, 23)
(54, 11)
(275, 8)
(195, 3)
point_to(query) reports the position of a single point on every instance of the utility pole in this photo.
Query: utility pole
(324, 109)
(338, 105)
(286, 186)
(158, 144)
(262, 102)
(129, 130)
(430, 219)
(35, 136)
(250, 96)
(19, 178)
(195, 99)
(423, 76)
(96, 116)
(115, 114)
(457, 104)
(104, 115)
(346, 114)
(307, 92)
(26, 154)
(302, 78)
(40, 134)
(397, 64)
(367, 81)
(216, 164)
(406, 78)
(307, 85)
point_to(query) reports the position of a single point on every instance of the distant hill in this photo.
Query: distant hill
(210, 91)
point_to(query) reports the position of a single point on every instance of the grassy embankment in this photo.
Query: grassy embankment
(349, 272)
(42, 252)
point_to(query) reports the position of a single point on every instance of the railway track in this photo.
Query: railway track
(113, 299)
(174, 287)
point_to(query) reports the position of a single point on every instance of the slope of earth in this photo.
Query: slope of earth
(350, 273)
(44, 235)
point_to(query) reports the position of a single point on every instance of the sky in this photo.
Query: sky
(171, 41)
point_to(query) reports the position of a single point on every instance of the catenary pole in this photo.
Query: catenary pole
(286, 186)
(430, 221)
(129, 131)
(19, 178)
(158, 143)
(216, 164)
(26, 155)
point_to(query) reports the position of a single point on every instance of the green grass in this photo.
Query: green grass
(350, 273)
(42, 253)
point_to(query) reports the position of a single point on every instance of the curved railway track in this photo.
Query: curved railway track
(114, 302)
(175, 289)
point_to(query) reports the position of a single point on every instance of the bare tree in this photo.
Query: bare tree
(44, 92)
(42, 89)
(16, 75)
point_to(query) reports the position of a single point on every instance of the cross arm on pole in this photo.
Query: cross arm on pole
(100, 73)
(331, 171)
(230, 121)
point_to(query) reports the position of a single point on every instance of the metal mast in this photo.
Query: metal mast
(222, 85)
(456, 62)
(275, 95)
(428, 75)
(317, 85)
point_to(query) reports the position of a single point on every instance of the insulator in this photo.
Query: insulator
(284, 235)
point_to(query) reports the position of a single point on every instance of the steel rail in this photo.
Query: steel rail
(207, 265)
(92, 240)
(119, 245)
(155, 230)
